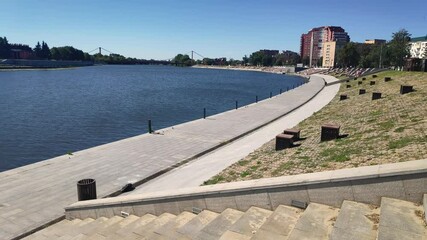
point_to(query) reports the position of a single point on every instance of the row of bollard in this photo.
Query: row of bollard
(150, 128)
(377, 95)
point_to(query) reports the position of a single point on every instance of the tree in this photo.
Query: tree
(256, 58)
(245, 60)
(37, 50)
(182, 60)
(67, 53)
(45, 51)
(4, 48)
(267, 60)
(399, 46)
(348, 55)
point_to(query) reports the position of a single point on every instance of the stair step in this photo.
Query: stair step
(230, 235)
(104, 225)
(155, 224)
(49, 231)
(66, 237)
(401, 220)
(36, 237)
(103, 234)
(78, 229)
(279, 224)
(197, 223)
(315, 223)
(219, 225)
(356, 221)
(129, 229)
(60, 229)
(168, 230)
(249, 223)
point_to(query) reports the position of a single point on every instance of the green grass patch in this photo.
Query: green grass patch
(387, 125)
(283, 167)
(254, 168)
(245, 173)
(400, 143)
(337, 154)
(399, 129)
(243, 162)
(214, 180)
(376, 113)
(371, 120)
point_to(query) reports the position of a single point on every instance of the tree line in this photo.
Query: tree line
(390, 54)
(44, 52)
(258, 58)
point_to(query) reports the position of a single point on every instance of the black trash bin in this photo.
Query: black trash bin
(86, 189)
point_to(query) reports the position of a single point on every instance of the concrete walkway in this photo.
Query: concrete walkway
(196, 172)
(35, 194)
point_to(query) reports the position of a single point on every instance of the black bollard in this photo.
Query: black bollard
(271, 94)
(204, 113)
(237, 104)
(150, 130)
(256, 98)
(280, 91)
(287, 88)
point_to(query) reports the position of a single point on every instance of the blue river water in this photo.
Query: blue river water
(47, 113)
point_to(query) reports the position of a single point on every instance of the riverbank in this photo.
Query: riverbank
(277, 70)
(18, 64)
(389, 130)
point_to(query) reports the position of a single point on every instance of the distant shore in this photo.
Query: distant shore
(277, 70)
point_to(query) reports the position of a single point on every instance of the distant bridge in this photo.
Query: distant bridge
(192, 53)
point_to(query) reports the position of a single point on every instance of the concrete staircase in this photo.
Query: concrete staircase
(394, 219)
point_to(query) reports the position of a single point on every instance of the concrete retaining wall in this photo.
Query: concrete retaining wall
(406, 181)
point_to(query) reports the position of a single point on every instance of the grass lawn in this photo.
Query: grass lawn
(391, 129)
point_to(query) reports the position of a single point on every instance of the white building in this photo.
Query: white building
(418, 47)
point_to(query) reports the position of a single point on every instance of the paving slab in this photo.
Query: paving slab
(219, 225)
(197, 223)
(315, 223)
(251, 221)
(279, 224)
(356, 221)
(35, 194)
(401, 220)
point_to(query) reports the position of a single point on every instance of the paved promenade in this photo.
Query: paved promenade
(194, 173)
(35, 194)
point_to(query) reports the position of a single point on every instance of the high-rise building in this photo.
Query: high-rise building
(312, 42)
(418, 47)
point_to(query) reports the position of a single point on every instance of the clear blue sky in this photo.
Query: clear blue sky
(160, 29)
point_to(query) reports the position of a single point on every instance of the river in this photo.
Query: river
(47, 113)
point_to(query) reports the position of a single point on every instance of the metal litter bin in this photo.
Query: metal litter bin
(86, 189)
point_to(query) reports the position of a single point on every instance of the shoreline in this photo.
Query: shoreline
(276, 70)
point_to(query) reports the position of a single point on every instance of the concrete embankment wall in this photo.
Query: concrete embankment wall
(406, 181)
(44, 63)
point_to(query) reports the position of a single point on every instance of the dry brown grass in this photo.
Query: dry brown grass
(388, 130)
